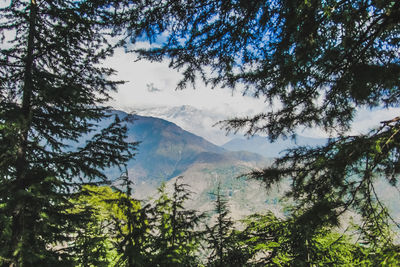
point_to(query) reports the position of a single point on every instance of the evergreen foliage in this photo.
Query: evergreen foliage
(219, 236)
(118, 232)
(273, 241)
(319, 60)
(52, 88)
(175, 235)
(133, 229)
(95, 237)
(260, 240)
(315, 63)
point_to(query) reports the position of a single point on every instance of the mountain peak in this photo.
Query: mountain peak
(166, 150)
(192, 119)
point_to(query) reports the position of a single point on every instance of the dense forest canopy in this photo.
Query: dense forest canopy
(314, 62)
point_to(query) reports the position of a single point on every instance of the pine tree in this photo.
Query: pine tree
(175, 237)
(133, 230)
(273, 241)
(315, 63)
(219, 236)
(52, 91)
(91, 238)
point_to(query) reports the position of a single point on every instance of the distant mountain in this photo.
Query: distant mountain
(263, 146)
(166, 150)
(199, 122)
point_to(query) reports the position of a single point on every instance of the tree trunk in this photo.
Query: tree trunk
(21, 164)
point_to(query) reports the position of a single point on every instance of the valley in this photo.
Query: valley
(166, 151)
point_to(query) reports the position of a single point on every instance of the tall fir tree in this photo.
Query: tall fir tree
(92, 238)
(52, 90)
(133, 230)
(274, 241)
(175, 234)
(315, 63)
(219, 235)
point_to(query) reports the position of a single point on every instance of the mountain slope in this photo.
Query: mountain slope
(244, 196)
(262, 146)
(199, 122)
(166, 151)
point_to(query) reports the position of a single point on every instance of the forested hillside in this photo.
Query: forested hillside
(67, 196)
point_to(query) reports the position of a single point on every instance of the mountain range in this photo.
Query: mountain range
(202, 122)
(263, 146)
(167, 151)
(198, 121)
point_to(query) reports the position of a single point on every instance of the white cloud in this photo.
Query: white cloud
(140, 74)
(367, 119)
(364, 121)
(5, 3)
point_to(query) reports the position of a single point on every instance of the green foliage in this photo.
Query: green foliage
(175, 238)
(377, 239)
(273, 241)
(118, 231)
(219, 238)
(132, 229)
(315, 63)
(52, 88)
(94, 245)
(97, 238)
(122, 233)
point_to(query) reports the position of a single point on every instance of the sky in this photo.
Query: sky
(154, 84)
(150, 84)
